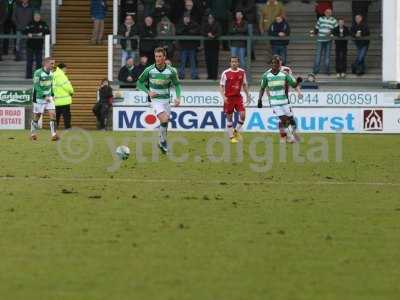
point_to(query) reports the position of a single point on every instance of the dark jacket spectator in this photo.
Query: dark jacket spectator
(341, 32)
(104, 103)
(128, 30)
(280, 28)
(188, 27)
(22, 14)
(238, 28)
(248, 7)
(36, 29)
(128, 74)
(211, 29)
(221, 11)
(161, 10)
(147, 46)
(166, 28)
(360, 30)
(7, 26)
(128, 7)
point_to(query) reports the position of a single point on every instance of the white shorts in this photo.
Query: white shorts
(160, 107)
(283, 110)
(39, 108)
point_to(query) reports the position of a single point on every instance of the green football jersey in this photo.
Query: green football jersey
(159, 81)
(276, 85)
(42, 85)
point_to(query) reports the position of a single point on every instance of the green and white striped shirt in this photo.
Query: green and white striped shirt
(276, 85)
(325, 26)
(159, 81)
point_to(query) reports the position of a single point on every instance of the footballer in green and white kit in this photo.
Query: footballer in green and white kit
(156, 81)
(276, 82)
(43, 98)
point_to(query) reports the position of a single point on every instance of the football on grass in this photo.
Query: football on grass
(123, 152)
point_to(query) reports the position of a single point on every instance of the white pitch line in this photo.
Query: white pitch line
(266, 182)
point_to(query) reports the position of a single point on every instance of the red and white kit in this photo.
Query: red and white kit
(233, 82)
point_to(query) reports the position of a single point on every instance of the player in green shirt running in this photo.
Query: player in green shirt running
(43, 98)
(276, 81)
(156, 81)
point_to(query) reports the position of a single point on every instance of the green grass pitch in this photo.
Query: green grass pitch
(222, 227)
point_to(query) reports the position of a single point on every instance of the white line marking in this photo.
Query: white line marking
(132, 180)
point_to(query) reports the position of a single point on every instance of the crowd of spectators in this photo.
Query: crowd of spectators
(213, 19)
(208, 18)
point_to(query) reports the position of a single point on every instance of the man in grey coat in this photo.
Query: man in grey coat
(22, 16)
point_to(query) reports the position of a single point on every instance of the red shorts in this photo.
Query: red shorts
(234, 104)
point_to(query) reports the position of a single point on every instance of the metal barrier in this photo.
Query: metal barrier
(18, 37)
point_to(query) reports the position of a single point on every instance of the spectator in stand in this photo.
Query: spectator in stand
(8, 25)
(188, 47)
(104, 103)
(147, 43)
(128, 7)
(128, 31)
(324, 28)
(212, 31)
(221, 11)
(148, 7)
(3, 16)
(360, 8)
(128, 74)
(321, 6)
(161, 10)
(248, 7)
(22, 16)
(271, 10)
(360, 30)
(239, 28)
(36, 30)
(63, 92)
(166, 28)
(98, 11)
(341, 31)
(196, 15)
(280, 28)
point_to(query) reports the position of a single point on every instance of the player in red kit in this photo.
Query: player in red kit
(231, 84)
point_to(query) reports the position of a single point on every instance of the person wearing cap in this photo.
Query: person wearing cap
(63, 92)
(36, 30)
(128, 74)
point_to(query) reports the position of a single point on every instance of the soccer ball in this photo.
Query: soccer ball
(123, 152)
